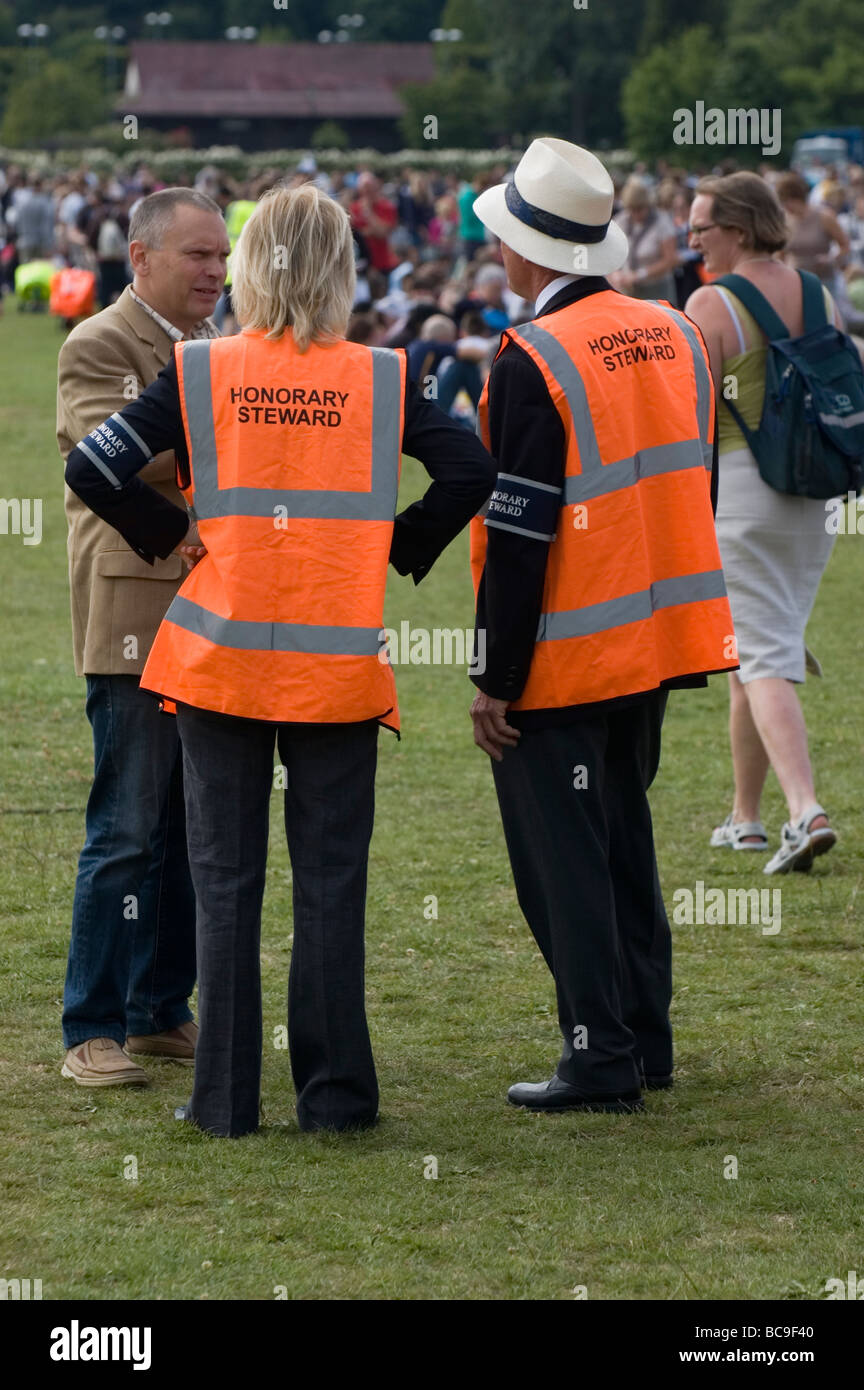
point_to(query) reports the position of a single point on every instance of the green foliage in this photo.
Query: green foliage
(276, 33)
(555, 71)
(471, 16)
(7, 24)
(611, 73)
(110, 138)
(51, 101)
(469, 111)
(329, 135)
(175, 165)
(395, 21)
(809, 67)
(665, 19)
(12, 65)
(672, 75)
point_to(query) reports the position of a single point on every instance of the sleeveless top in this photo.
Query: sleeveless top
(747, 367)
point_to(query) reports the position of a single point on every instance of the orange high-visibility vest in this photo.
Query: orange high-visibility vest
(294, 461)
(634, 592)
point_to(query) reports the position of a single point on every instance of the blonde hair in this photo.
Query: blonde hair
(293, 267)
(636, 195)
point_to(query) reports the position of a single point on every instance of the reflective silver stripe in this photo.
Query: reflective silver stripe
(376, 504)
(198, 394)
(598, 478)
(631, 608)
(531, 482)
(136, 438)
(648, 463)
(519, 530)
(703, 380)
(386, 431)
(273, 637)
(103, 467)
(564, 370)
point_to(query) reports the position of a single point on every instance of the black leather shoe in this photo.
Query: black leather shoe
(658, 1083)
(556, 1094)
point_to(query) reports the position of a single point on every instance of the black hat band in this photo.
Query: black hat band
(539, 220)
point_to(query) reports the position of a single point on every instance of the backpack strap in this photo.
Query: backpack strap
(755, 303)
(812, 302)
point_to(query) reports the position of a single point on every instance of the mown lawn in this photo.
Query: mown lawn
(523, 1207)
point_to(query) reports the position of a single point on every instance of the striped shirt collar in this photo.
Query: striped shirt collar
(204, 328)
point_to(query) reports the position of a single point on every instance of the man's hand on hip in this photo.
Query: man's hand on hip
(492, 733)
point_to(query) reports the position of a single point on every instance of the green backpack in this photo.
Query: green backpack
(810, 440)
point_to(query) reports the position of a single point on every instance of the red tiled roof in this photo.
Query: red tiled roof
(296, 79)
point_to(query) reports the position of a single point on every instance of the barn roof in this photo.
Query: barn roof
(285, 79)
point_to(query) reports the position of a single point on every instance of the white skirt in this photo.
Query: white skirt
(774, 549)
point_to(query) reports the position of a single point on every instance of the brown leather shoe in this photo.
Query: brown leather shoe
(102, 1062)
(177, 1042)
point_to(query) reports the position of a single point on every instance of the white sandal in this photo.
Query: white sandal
(733, 834)
(799, 845)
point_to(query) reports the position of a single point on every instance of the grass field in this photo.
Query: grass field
(768, 1027)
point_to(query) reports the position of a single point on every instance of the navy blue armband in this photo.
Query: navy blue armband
(526, 507)
(116, 450)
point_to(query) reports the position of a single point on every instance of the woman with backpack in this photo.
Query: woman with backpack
(774, 545)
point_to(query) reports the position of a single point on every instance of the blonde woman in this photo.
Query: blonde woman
(774, 546)
(288, 441)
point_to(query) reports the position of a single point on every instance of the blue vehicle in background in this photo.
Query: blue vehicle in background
(818, 153)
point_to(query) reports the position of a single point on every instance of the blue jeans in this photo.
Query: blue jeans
(132, 953)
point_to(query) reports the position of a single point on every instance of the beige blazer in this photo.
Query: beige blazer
(118, 600)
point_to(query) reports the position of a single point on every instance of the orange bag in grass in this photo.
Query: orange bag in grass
(73, 293)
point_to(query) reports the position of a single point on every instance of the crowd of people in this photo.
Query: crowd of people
(429, 275)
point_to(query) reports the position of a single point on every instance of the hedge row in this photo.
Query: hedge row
(170, 164)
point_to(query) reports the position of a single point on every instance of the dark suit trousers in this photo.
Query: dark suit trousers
(329, 810)
(586, 878)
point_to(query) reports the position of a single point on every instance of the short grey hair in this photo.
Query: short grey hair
(490, 275)
(154, 214)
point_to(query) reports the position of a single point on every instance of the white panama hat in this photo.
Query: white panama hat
(557, 211)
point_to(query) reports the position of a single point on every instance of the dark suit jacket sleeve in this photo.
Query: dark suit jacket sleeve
(146, 520)
(527, 438)
(463, 475)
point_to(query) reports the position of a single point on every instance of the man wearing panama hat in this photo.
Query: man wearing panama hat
(599, 586)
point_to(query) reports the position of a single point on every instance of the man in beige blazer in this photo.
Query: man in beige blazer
(131, 964)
